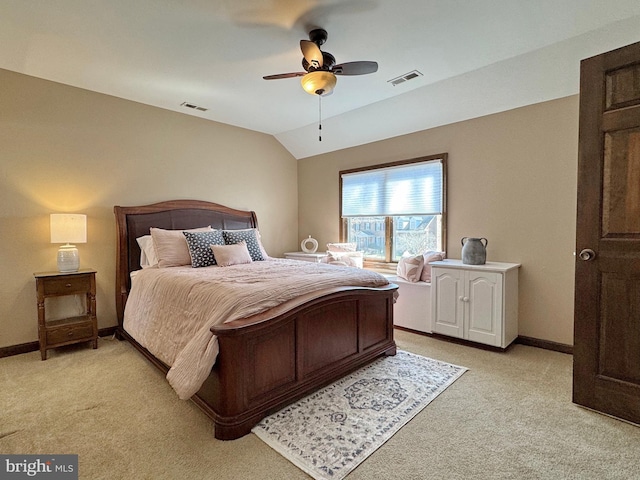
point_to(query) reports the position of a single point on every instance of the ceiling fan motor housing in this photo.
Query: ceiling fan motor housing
(328, 61)
(318, 36)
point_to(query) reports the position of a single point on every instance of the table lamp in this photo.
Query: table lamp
(68, 228)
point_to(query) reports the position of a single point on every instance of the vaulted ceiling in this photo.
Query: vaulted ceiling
(474, 57)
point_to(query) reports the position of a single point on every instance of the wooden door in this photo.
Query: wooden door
(606, 374)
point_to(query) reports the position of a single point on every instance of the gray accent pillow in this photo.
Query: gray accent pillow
(199, 244)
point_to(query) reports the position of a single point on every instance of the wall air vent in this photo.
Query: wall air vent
(192, 106)
(404, 78)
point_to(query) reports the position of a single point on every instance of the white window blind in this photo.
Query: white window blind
(411, 189)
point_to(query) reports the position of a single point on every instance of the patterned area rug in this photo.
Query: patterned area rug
(330, 432)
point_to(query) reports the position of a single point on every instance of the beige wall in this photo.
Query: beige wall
(63, 149)
(511, 179)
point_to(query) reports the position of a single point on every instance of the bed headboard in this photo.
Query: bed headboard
(134, 222)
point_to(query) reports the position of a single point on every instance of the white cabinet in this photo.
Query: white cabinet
(478, 303)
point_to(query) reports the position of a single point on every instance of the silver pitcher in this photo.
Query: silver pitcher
(474, 250)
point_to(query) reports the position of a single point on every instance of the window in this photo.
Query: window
(397, 208)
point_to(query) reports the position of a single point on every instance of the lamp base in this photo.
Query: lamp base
(68, 259)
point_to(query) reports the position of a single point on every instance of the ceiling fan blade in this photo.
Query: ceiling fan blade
(355, 68)
(311, 53)
(284, 75)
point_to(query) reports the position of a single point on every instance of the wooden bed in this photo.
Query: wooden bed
(272, 359)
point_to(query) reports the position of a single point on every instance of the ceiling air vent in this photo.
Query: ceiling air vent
(404, 78)
(192, 106)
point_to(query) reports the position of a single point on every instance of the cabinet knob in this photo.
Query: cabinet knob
(68, 285)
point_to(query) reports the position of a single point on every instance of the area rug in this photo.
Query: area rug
(330, 432)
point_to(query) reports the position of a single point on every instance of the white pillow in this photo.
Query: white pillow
(341, 247)
(334, 258)
(148, 257)
(410, 267)
(350, 259)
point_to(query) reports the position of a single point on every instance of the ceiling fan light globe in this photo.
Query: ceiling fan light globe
(318, 82)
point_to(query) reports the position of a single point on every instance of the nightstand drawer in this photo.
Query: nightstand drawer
(70, 333)
(67, 285)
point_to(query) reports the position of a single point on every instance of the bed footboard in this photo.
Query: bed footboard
(267, 363)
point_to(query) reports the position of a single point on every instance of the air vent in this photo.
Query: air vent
(404, 78)
(192, 106)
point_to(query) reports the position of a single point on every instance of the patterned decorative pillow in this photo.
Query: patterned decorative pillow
(250, 237)
(410, 267)
(199, 244)
(264, 253)
(429, 256)
(171, 247)
(227, 255)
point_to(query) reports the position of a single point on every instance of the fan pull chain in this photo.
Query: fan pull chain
(319, 118)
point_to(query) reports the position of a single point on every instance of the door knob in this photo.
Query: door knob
(587, 254)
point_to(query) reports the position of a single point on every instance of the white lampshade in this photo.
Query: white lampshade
(318, 82)
(68, 228)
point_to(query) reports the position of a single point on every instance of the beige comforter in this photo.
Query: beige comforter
(170, 310)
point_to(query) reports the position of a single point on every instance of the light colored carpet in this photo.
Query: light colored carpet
(510, 416)
(330, 432)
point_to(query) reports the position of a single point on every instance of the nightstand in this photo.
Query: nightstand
(65, 331)
(306, 257)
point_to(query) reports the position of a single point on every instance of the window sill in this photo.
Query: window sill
(383, 268)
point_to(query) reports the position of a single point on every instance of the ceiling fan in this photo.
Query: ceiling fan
(319, 77)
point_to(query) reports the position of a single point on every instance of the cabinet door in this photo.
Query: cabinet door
(484, 316)
(447, 301)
